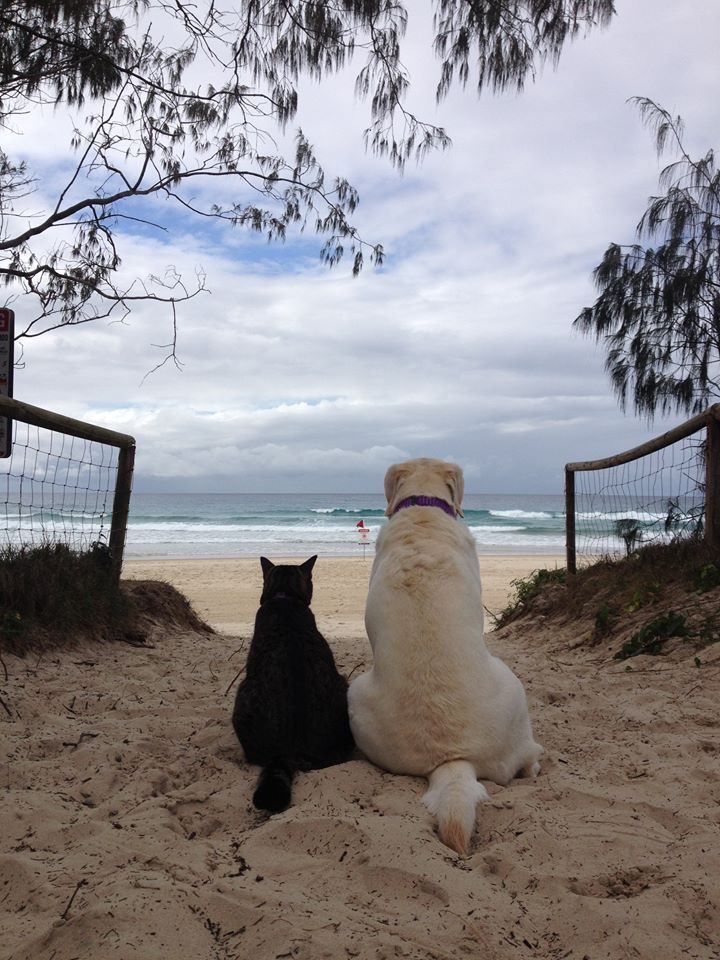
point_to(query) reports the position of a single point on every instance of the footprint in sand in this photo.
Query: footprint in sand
(395, 892)
(313, 839)
(20, 889)
(620, 884)
(281, 846)
(199, 816)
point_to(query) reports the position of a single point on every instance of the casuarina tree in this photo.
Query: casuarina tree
(182, 105)
(658, 312)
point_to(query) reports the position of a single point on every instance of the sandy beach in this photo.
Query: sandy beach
(127, 829)
(225, 592)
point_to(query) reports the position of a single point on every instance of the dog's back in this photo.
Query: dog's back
(424, 617)
(436, 703)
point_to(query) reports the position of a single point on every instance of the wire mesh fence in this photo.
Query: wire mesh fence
(655, 493)
(64, 481)
(56, 487)
(655, 499)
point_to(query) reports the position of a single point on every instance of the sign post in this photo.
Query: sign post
(363, 533)
(7, 354)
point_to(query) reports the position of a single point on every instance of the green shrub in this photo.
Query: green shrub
(604, 618)
(527, 588)
(651, 638)
(707, 577)
(646, 593)
(630, 532)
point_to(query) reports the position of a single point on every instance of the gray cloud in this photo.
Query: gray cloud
(296, 378)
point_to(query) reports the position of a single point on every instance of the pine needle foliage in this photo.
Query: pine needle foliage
(187, 103)
(658, 313)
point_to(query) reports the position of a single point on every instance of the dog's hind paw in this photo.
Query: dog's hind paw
(530, 770)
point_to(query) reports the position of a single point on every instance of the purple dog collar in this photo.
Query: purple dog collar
(425, 502)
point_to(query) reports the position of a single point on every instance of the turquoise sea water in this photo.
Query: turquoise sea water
(232, 525)
(238, 525)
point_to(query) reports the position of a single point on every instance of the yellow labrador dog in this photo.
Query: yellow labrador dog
(436, 703)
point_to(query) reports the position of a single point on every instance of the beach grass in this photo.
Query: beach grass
(51, 592)
(633, 605)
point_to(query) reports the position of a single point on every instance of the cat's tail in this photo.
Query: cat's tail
(274, 787)
(452, 796)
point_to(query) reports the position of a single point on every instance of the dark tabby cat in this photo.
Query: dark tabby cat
(291, 709)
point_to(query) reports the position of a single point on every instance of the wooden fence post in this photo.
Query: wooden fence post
(712, 482)
(570, 520)
(121, 506)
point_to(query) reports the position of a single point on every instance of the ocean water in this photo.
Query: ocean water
(276, 525)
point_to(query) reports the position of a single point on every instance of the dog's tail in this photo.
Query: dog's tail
(452, 796)
(274, 787)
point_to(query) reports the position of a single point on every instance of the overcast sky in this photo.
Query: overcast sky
(297, 378)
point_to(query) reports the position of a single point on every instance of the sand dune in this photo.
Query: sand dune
(128, 830)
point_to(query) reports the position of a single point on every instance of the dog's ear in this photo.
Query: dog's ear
(456, 485)
(394, 475)
(266, 565)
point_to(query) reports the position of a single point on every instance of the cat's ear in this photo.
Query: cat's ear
(267, 565)
(308, 565)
